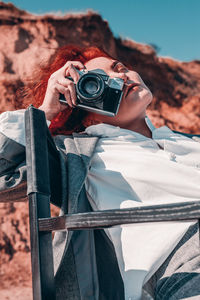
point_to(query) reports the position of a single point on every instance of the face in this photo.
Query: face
(136, 95)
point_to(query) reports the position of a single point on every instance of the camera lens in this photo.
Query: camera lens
(90, 87)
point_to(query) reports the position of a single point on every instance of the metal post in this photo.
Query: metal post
(38, 190)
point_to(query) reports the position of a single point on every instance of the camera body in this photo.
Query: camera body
(97, 92)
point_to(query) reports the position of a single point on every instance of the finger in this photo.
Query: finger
(68, 97)
(64, 81)
(65, 91)
(63, 70)
(75, 63)
(71, 71)
(59, 88)
(73, 95)
(69, 85)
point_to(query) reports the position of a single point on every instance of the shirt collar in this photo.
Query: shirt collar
(149, 123)
(107, 130)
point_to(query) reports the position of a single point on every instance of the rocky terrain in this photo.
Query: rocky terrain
(27, 40)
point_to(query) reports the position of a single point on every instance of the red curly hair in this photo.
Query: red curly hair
(69, 120)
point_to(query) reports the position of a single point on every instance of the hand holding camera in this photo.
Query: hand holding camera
(89, 90)
(58, 83)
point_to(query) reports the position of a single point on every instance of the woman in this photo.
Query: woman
(131, 163)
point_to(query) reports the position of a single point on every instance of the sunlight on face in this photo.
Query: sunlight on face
(136, 95)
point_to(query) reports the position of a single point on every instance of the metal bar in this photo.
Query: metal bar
(109, 218)
(38, 191)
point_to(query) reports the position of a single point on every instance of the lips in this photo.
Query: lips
(131, 87)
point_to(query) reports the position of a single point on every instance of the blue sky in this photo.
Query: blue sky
(172, 25)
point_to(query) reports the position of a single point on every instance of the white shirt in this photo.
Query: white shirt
(129, 169)
(13, 126)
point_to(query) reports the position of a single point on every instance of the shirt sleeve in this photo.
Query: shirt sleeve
(12, 125)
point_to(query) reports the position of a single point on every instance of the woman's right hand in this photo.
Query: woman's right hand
(58, 83)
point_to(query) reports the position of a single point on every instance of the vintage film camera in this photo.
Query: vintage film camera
(97, 92)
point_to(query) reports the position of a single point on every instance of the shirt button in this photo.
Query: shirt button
(172, 157)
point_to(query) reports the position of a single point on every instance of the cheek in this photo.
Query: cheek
(140, 98)
(148, 96)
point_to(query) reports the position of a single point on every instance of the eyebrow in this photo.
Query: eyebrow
(115, 62)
